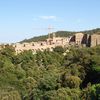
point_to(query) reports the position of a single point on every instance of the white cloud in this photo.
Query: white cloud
(48, 17)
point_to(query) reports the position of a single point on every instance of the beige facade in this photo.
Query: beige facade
(81, 39)
(77, 40)
(95, 40)
(50, 43)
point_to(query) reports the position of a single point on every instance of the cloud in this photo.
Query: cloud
(48, 17)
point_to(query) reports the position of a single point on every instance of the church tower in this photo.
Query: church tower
(54, 34)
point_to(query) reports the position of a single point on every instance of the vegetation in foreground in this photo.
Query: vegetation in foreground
(57, 75)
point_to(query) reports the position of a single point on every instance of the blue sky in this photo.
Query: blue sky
(21, 19)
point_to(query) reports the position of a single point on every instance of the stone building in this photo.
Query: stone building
(87, 40)
(50, 43)
(94, 40)
(79, 39)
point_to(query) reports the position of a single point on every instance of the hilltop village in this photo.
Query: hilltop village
(79, 39)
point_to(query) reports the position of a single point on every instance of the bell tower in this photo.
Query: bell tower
(50, 28)
(54, 35)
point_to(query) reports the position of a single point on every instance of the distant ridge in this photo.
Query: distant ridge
(61, 34)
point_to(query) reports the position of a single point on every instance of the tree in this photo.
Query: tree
(59, 49)
(72, 81)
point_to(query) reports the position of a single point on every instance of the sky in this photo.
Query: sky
(23, 19)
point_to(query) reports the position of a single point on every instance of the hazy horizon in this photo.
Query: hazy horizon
(23, 19)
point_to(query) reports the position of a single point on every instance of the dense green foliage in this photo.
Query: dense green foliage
(61, 34)
(56, 75)
(9, 94)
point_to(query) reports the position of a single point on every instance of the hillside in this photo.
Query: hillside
(61, 34)
(50, 75)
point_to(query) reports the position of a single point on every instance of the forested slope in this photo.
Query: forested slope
(57, 75)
